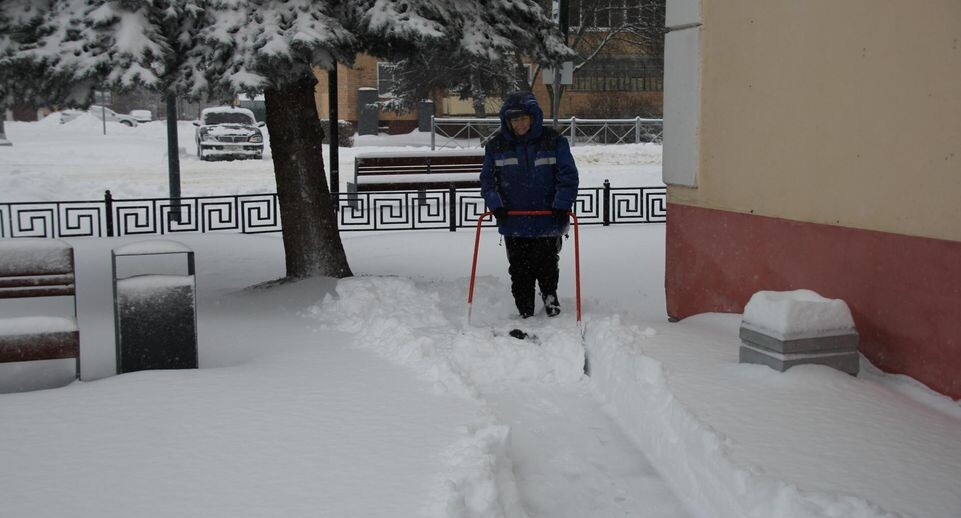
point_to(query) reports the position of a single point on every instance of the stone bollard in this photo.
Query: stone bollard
(784, 329)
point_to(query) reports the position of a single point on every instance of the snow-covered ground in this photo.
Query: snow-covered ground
(372, 396)
(77, 161)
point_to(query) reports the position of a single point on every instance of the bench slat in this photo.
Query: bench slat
(45, 346)
(39, 291)
(369, 187)
(36, 280)
(417, 172)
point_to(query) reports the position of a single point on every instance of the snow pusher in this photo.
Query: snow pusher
(577, 267)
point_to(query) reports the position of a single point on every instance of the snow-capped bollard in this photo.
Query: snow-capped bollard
(155, 315)
(782, 329)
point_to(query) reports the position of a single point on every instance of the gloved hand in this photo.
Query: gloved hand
(500, 214)
(561, 215)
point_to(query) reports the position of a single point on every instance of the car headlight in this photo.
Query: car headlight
(256, 139)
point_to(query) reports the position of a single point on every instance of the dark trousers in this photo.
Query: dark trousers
(532, 260)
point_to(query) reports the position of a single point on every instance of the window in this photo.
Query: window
(620, 74)
(604, 14)
(385, 78)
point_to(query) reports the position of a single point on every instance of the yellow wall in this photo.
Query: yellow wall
(845, 113)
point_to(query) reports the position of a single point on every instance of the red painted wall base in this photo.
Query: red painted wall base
(904, 291)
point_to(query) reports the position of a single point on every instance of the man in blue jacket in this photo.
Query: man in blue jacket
(528, 167)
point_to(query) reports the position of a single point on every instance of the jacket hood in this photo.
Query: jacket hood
(526, 102)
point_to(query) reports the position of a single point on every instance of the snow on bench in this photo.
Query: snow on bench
(393, 171)
(38, 268)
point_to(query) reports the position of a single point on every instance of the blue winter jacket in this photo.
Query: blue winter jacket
(534, 171)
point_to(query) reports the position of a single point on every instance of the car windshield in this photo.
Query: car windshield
(227, 118)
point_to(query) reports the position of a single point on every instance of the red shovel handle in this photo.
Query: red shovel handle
(577, 254)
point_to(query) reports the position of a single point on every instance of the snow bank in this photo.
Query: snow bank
(791, 315)
(691, 455)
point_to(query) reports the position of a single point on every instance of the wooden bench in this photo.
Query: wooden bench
(38, 268)
(418, 170)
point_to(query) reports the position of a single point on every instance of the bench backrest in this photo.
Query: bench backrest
(36, 268)
(410, 165)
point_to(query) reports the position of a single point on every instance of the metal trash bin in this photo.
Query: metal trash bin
(155, 315)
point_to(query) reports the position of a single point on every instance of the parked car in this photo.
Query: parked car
(99, 112)
(141, 115)
(229, 132)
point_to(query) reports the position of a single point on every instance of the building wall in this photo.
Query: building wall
(825, 153)
(362, 74)
(854, 127)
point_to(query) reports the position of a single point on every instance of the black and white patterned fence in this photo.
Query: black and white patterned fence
(437, 209)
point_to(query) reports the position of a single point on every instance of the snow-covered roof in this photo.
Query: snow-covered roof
(152, 246)
(226, 109)
(791, 315)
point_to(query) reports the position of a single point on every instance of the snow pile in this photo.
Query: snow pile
(484, 484)
(791, 315)
(407, 323)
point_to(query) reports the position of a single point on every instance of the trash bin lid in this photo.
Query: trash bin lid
(152, 246)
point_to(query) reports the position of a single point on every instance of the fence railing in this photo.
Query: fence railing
(467, 132)
(433, 209)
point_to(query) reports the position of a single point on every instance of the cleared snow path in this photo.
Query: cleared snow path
(569, 459)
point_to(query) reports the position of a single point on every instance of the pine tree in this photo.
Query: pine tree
(60, 50)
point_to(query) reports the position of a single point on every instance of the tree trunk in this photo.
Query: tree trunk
(312, 245)
(477, 95)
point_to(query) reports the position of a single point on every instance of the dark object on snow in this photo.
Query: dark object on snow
(520, 335)
(155, 315)
(369, 117)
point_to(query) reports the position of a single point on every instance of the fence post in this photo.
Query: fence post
(433, 131)
(108, 211)
(452, 207)
(573, 131)
(637, 130)
(607, 202)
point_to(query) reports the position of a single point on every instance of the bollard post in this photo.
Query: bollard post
(607, 203)
(452, 207)
(108, 211)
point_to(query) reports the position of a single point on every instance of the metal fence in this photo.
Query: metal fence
(447, 132)
(433, 209)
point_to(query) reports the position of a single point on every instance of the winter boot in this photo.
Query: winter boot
(551, 304)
